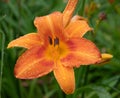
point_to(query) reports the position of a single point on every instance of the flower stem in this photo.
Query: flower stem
(82, 6)
(85, 80)
(2, 62)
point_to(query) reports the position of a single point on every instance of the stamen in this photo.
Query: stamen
(56, 41)
(50, 40)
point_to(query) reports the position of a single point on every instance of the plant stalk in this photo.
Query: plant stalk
(2, 62)
(85, 80)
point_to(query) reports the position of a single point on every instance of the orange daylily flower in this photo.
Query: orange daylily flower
(58, 46)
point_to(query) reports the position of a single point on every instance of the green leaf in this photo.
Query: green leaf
(101, 92)
(92, 90)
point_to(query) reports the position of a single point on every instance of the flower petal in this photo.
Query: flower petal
(65, 78)
(77, 17)
(50, 25)
(81, 52)
(68, 12)
(26, 41)
(33, 64)
(77, 29)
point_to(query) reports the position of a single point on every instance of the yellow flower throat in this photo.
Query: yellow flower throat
(56, 49)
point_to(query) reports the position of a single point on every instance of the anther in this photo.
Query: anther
(56, 41)
(50, 40)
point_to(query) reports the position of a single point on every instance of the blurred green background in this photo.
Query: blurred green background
(96, 81)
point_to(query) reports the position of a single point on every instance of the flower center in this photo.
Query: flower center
(56, 49)
(53, 42)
